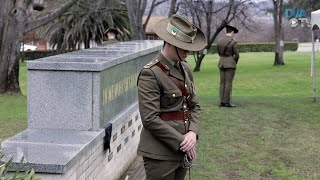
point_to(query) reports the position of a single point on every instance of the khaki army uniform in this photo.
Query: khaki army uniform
(159, 97)
(111, 41)
(168, 105)
(229, 56)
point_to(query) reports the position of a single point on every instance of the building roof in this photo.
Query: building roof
(152, 21)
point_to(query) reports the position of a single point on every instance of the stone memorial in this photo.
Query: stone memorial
(72, 99)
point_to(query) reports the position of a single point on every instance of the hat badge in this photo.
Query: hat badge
(174, 31)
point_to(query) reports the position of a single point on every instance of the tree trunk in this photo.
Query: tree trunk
(14, 23)
(172, 8)
(277, 18)
(135, 18)
(13, 19)
(87, 44)
(198, 62)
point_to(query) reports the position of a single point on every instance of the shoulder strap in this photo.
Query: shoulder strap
(177, 83)
(225, 48)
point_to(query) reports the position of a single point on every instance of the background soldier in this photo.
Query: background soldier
(111, 36)
(229, 56)
(168, 105)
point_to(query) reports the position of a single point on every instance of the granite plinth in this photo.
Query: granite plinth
(50, 151)
(96, 59)
(60, 100)
(84, 90)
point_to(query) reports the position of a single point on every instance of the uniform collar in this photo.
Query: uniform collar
(169, 60)
(169, 65)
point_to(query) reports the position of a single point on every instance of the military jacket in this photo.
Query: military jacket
(228, 52)
(111, 41)
(157, 93)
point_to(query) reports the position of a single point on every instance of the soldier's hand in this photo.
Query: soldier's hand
(189, 141)
(192, 154)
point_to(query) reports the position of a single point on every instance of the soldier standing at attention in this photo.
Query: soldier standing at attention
(229, 56)
(168, 105)
(111, 36)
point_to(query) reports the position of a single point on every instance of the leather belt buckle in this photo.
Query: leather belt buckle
(186, 115)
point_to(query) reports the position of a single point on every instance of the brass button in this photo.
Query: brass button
(185, 122)
(173, 95)
(184, 106)
(186, 85)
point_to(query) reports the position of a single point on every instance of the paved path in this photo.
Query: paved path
(135, 171)
(307, 47)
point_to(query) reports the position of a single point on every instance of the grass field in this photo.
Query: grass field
(273, 134)
(13, 109)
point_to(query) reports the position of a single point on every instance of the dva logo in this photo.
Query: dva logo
(292, 13)
(297, 15)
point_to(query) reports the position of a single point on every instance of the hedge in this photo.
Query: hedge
(31, 55)
(259, 47)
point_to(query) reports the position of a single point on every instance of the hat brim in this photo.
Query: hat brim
(199, 42)
(116, 32)
(235, 30)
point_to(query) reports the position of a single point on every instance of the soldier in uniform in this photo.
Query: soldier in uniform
(168, 105)
(111, 36)
(229, 56)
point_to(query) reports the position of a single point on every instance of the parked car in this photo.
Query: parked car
(27, 47)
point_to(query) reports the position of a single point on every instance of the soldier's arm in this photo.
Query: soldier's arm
(195, 114)
(236, 52)
(149, 106)
(195, 109)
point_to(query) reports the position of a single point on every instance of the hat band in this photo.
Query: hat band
(174, 31)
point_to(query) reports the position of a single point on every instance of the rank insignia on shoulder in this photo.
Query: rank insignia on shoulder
(166, 66)
(151, 63)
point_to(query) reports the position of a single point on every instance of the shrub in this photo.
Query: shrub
(31, 55)
(258, 47)
(17, 174)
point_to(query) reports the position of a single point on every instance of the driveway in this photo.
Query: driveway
(307, 47)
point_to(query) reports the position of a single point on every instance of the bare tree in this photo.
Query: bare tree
(154, 4)
(173, 9)
(213, 16)
(278, 30)
(16, 19)
(136, 10)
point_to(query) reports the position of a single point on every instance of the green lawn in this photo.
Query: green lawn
(13, 109)
(274, 134)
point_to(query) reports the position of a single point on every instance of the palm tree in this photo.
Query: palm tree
(86, 22)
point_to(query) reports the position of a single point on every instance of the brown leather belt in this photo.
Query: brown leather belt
(175, 115)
